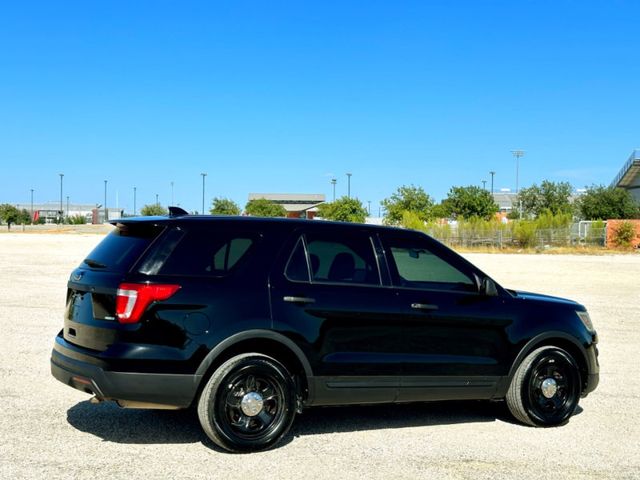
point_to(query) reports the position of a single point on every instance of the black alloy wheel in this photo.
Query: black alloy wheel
(248, 404)
(545, 390)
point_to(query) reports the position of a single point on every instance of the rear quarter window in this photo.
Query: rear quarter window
(201, 252)
(122, 247)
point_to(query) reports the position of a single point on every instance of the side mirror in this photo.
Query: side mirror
(489, 288)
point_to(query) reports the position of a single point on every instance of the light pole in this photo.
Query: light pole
(349, 185)
(157, 203)
(203, 176)
(32, 206)
(484, 184)
(333, 182)
(61, 211)
(518, 154)
(369, 202)
(67, 205)
(492, 173)
(106, 212)
(134, 201)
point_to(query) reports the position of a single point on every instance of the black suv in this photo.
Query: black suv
(253, 319)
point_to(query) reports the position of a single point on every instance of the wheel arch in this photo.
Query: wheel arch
(265, 342)
(556, 339)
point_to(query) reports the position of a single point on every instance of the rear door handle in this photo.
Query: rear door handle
(299, 299)
(424, 306)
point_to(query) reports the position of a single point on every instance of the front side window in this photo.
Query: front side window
(323, 259)
(414, 265)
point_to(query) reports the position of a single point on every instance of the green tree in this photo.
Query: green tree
(549, 196)
(407, 199)
(224, 206)
(261, 207)
(10, 214)
(604, 203)
(344, 209)
(469, 202)
(153, 209)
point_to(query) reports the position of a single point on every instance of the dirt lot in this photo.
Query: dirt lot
(48, 430)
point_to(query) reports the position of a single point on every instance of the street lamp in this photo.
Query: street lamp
(484, 184)
(349, 185)
(157, 203)
(106, 212)
(492, 173)
(67, 205)
(203, 176)
(134, 201)
(333, 182)
(61, 211)
(369, 202)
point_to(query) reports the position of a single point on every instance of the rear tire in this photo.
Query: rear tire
(545, 389)
(248, 404)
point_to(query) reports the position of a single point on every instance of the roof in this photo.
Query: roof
(629, 174)
(292, 202)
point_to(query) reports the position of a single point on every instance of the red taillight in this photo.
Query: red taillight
(133, 299)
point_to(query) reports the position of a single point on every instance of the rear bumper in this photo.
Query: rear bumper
(161, 390)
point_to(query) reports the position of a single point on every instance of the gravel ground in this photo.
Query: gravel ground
(49, 430)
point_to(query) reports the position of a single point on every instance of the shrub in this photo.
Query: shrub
(624, 234)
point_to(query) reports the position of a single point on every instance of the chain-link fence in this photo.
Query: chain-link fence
(523, 235)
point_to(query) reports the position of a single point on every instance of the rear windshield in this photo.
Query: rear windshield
(122, 247)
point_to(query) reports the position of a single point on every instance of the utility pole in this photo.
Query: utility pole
(349, 185)
(203, 175)
(106, 212)
(333, 182)
(492, 173)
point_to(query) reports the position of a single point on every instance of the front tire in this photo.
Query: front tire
(545, 389)
(248, 404)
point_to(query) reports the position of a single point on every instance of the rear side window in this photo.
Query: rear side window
(122, 247)
(206, 252)
(328, 260)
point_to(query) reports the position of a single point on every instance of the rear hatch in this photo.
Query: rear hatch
(90, 316)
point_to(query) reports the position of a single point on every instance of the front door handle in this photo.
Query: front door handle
(424, 306)
(299, 299)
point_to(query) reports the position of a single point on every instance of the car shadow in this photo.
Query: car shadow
(114, 424)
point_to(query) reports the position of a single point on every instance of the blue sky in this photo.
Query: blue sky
(281, 96)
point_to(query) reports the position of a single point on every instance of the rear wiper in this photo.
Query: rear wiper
(94, 264)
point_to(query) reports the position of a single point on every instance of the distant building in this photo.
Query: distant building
(297, 205)
(629, 175)
(506, 200)
(50, 212)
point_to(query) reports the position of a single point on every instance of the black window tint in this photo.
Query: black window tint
(122, 247)
(419, 267)
(207, 252)
(297, 269)
(350, 260)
